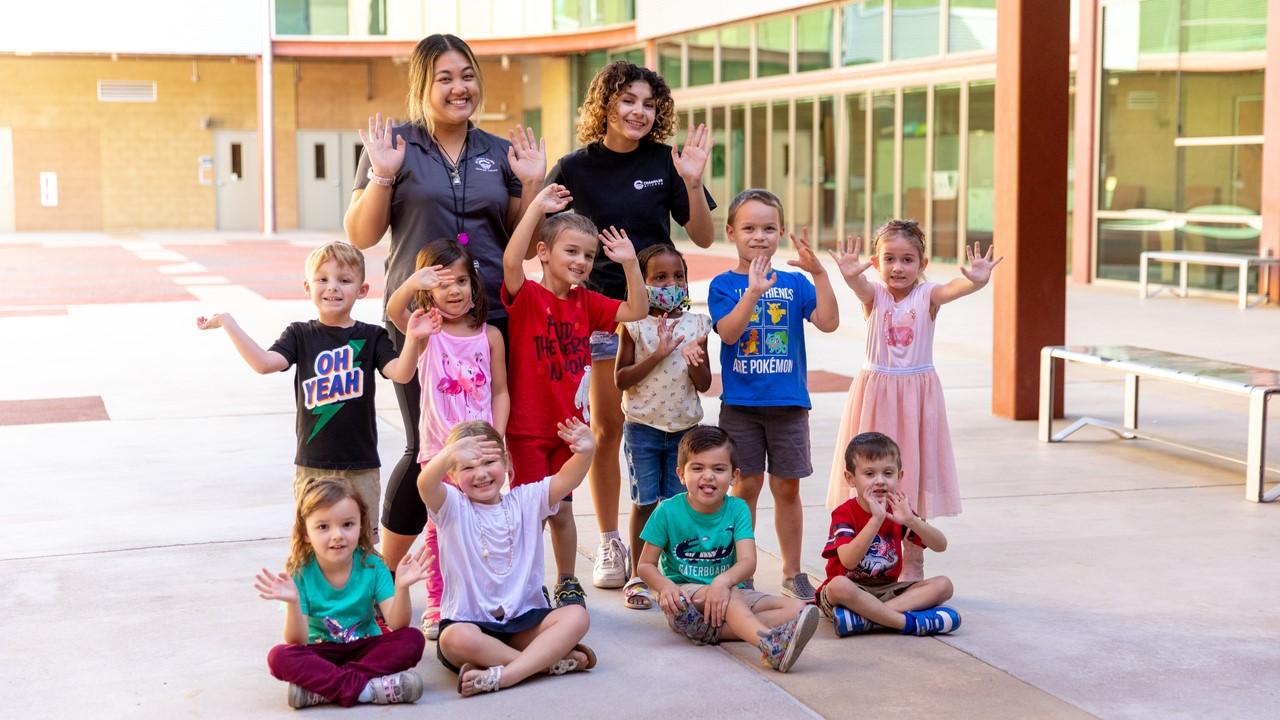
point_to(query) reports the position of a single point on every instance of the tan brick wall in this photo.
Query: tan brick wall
(74, 157)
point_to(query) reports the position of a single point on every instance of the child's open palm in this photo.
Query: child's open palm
(695, 352)
(551, 199)
(430, 278)
(213, 322)
(980, 264)
(577, 435)
(412, 568)
(617, 245)
(761, 277)
(424, 324)
(847, 260)
(668, 341)
(807, 260)
(900, 508)
(275, 586)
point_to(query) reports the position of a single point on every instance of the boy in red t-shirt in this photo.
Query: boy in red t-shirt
(550, 330)
(864, 551)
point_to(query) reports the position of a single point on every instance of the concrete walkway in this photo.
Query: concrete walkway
(1095, 577)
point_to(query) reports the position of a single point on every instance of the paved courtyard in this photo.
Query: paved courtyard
(148, 473)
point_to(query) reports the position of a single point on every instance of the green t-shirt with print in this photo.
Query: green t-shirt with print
(345, 614)
(697, 547)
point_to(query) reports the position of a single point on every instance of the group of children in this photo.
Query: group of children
(511, 409)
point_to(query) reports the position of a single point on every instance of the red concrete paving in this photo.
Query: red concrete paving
(37, 275)
(33, 312)
(273, 270)
(52, 410)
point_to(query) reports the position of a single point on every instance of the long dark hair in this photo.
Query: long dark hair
(446, 253)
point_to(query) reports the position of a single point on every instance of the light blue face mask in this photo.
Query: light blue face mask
(668, 298)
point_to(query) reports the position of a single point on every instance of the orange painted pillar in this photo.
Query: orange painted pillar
(1270, 241)
(1084, 193)
(1030, 198)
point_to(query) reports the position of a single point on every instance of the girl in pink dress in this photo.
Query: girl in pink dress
(463, 374)
(897, 392)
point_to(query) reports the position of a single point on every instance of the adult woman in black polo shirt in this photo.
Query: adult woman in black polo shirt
(625, 176)
(437, 176)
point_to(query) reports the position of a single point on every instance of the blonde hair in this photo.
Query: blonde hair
(607, 85)
(422, 71)
(319, 493)
(343, 253)
(908, 230)
(759, 195)
(476, 428)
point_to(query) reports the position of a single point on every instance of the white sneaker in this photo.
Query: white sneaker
(612, 565)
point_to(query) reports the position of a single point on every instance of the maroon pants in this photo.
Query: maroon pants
(339, 671)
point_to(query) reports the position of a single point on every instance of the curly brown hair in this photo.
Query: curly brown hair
(607, 85)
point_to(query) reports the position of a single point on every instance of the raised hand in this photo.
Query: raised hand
(807, 260)
(212, 322)
(617, 245)
(847, 260)
(761, 276)
(430, 278)
(275, 586)
(695, 352)
(385, 157)
(412, 568)
(527, 155)
(474, 450)
(577, 435)
(692, 160)
(877, 507)
(980, 265)
(551, 199)
(424, 323)
(668, 341)
(900, 508)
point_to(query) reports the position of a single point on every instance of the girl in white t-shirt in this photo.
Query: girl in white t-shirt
(496, 628)
(661, 367)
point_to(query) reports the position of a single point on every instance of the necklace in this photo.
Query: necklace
(511, 542)
(457, 173)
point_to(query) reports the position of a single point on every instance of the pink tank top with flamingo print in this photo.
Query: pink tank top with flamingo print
(456, 384)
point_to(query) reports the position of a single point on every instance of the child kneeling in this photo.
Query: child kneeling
(496, 628)
(864, 551)
(704, 542)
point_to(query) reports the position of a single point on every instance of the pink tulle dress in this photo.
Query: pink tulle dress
(898, 393)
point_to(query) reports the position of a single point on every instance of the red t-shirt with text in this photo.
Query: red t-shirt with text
(550, 341)
(883, 561)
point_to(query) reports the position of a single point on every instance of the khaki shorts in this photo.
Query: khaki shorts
(883, 592)
(750, 597)
(367, 482)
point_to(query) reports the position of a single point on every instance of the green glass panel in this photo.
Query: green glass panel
(1224, 25)
(702, 48)
(669, 63)
(813, 40)
(855, 198)
(759, 147)
(862, 32)
(945, 233)
(773, 47)
(291, 17)
(882, 147)
(735, 53)
(825, 173)
(329, 17)
(805, 184)
(915, 28)
(737, 153)
(971, 25)
(980, 176)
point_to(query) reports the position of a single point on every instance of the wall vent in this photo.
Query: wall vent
(126, 91)
(1143, 100)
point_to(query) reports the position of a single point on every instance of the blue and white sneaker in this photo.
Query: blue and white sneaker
(938, 620)
(849, 622)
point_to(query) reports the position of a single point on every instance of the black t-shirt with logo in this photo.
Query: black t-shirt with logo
(638, 191)
(334, 385)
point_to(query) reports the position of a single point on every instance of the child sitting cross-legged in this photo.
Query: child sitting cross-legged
(704, 542)
(495, 627)
(864, 551)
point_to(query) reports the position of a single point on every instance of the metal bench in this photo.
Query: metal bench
(1256, 384)
(1244, 263)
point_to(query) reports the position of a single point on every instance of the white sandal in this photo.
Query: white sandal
(490, 679)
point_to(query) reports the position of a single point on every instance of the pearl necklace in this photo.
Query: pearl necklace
(511, 549)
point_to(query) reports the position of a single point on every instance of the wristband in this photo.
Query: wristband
(379, 180)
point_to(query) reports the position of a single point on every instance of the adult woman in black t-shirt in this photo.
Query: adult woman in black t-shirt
(627, 178)
(437, 176)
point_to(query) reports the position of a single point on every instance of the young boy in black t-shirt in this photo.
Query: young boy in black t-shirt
(337, 430)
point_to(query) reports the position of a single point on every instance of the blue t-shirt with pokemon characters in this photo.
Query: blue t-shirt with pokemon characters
(345, 614)
(766, 367)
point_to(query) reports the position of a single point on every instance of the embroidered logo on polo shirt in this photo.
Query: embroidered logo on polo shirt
(642, 184)
(484, 164)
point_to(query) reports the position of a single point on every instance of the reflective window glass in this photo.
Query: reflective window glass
(971, 25)
(825, 173)
(915, 28)
(759, 171)
(718, 175)
(813, 40)
(735, 53)
(945, 233)
(669, 62)
(915, 131)
(780, 154)
(773, 47)
(882, 147)
(737, 153)
(801, 215)
(702, 48)
(855, 192)
(980, 176)
(862, 32)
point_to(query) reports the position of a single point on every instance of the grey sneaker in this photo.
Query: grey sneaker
(799, 587)
(300, 697)
(690, 623)
(403, 687)
(781, 646)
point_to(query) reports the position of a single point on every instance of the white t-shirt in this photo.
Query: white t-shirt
(666, 398)
(509, 582)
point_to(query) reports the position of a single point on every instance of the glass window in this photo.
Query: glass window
(1139, 123)
(855, 198)
(291, 17)
(813, 40)
(915, 28)
(915, 160)
(862, 32)
(328, 17)
(1220, 180)
(826, 173)
(718, 180)
(669, 52)
(737, 153)
(1220, 104)
(1224, 25)
(773, 47)
(584, 67)
(971, 25)
(318, 154)
(702, 48)
(573, 14)
(980, 182)
(780, 155)
(945, 233)
(882, 146)
(801, 213)
(635, 56)
(759, 146)
(735, 53)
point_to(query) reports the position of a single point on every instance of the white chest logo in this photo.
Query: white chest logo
(484, 164)
(642, 184)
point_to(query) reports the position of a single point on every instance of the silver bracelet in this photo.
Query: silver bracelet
(379, 180)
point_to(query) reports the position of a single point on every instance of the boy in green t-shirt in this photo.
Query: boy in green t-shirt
(704, 542)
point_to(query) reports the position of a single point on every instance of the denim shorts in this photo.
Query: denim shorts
(604, 345)
(651, 462)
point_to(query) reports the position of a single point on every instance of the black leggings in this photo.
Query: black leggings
(403, 512)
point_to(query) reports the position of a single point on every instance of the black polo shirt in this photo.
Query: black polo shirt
(638, 191)
(426, 205)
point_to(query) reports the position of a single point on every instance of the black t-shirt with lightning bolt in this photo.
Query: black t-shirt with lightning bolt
(337, 428)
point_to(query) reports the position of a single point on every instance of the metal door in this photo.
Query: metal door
(237, 179)
(351, 147)
(319, 186)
